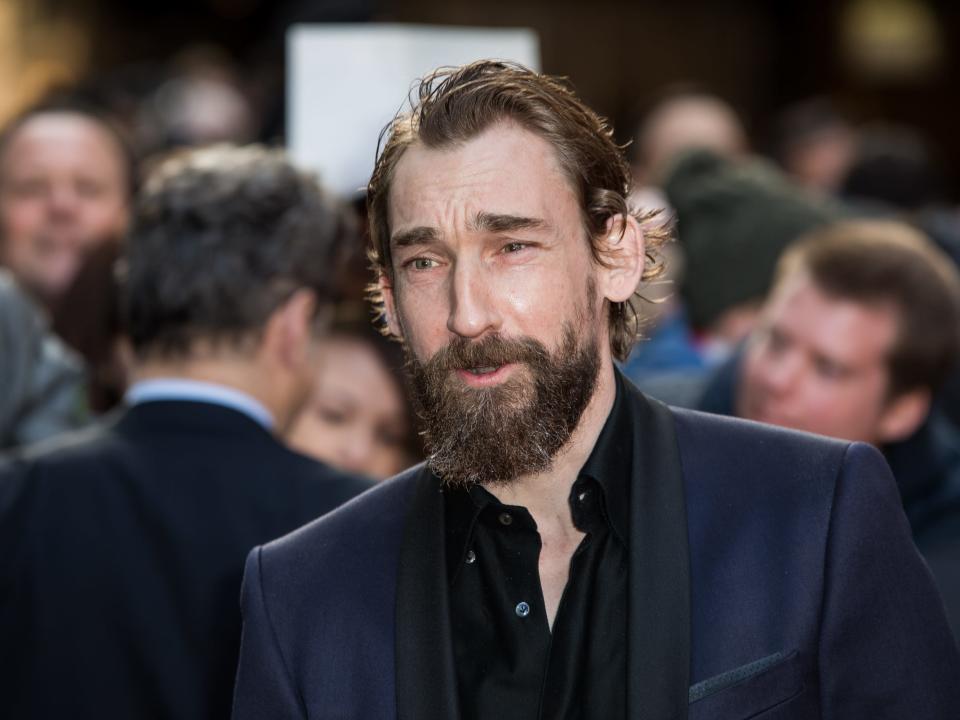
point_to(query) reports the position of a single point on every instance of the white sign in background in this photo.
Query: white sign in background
(345, 82)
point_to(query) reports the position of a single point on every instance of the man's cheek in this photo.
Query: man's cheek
(420, 350)
(422, 337)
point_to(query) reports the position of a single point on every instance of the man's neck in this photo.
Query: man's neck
(545, 494)
(237, 374)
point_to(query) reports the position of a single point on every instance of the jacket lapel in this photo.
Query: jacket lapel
(426, 679)
(658, 645)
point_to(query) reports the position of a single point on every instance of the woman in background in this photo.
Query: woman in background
(359, 418)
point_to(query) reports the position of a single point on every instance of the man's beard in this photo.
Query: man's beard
(494, 435)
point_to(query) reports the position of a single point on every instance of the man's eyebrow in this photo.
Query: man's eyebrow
(414, 236)
(499, 222)
(482, 222)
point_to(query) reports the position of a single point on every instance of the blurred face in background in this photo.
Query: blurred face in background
(685, 122)
(63, 190)
(820, 363)
(357, 419)
(821, 162)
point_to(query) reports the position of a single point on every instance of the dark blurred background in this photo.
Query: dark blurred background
(877, 60)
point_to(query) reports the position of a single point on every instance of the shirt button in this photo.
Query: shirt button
(522, 609)
(471, 557)
(582, 496)
(505, 518)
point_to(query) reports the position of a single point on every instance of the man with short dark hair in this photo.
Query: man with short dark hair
(66, 176)
(122, 547)
(572, 549)
(861, 329)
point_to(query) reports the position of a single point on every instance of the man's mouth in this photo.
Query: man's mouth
(485, 375)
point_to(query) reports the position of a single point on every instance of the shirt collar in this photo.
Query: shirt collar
(610, 465)
(182, 389)
(611, 461)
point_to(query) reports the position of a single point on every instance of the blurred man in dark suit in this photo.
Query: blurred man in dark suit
(121, 549)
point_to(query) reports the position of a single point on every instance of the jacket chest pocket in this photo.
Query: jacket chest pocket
(749, 690)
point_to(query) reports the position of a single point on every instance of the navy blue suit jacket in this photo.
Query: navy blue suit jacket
(121, 555)
(772, 575)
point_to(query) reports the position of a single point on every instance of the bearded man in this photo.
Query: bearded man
(572, 549)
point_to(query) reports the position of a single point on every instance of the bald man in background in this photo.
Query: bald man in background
(66, 179)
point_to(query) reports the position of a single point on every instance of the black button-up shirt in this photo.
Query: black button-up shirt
(508, 663)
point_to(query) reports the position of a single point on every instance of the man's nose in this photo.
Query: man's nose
(472, 302)
(781, 374)
(62, 201)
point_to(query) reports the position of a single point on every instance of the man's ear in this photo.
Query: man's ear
(389, 305)
(288, 333)
(623, 252)
(903, 415)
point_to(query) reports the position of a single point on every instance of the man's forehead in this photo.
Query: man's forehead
(505, 170)
(67, 135)
(63, 126)
(848, 329)
(481, 221)
(803, 284)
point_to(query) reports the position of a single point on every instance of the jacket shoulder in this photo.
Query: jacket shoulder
(741, 477)
(61, 461)
(333, 576)
(725, 445)
(344, 543)
(322, 485)
(380, 504)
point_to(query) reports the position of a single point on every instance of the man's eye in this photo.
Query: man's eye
(28, 188)
(89, 189)
(830, 370)
(776, 342)
(514, 247)
(423, 263)
(333, 416)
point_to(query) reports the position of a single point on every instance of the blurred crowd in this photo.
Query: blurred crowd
(76, 161)
(812, 285)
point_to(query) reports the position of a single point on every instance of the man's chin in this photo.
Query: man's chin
(506, 421)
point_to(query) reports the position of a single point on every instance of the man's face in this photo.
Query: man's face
(494, 296)
(819, 363)
(63, 188)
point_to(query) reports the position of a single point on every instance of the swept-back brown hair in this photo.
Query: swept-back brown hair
(883, 262)
(453, 105)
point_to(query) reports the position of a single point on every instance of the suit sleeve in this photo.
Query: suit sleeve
(265, 688)
(17, 525)
(886, 650)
